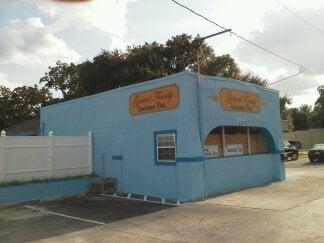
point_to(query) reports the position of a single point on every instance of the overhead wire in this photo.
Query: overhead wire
(301, 67)
(299, 17)
(291, 76)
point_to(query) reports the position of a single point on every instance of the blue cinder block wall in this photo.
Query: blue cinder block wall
(124, 144)
(231, 173)
(43, 190)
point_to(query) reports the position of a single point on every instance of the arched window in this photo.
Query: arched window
(213, 146)
(226, 141)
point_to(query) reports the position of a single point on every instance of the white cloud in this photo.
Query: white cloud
(286, 35)
(308, 97)
(5, 82)
(15, 3)
(289, 37)
(28, 42)
(107, 16)
(298, 85)
(123, 23)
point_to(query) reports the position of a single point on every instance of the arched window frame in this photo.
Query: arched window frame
(271, 148)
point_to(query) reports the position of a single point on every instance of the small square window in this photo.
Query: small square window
(166, 147)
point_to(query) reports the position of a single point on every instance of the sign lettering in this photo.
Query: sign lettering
(236, 100)
(211, 151)
(154, 100)
(233, 149)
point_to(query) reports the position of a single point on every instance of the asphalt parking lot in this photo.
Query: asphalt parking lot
(287, 211)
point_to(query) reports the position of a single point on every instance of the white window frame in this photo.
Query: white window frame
(167, 147)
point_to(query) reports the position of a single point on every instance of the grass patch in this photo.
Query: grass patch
(44, 180)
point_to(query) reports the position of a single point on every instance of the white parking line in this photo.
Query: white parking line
(63, 215)
(142, 200)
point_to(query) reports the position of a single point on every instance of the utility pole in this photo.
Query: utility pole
(200, 41)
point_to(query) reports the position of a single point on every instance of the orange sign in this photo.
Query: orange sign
(154, 100)
(236, 100)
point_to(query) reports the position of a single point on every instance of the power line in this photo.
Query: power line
(240, 36)
(299, 17)
(291, 76)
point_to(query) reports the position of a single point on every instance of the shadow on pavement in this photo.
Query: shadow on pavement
(20, 224)
(103, 209)
(314, 163)
(303, 162)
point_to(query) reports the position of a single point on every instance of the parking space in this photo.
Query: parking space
(287, 211)
(20, 224)
(40, 220)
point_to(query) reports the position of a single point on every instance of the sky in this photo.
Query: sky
(34, 34)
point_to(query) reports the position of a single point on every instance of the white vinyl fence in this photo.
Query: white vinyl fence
(26, 157)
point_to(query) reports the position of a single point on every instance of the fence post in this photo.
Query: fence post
(90, 151)
(2, 153)
(51, 154)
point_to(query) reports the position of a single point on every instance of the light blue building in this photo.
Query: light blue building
(178, 138)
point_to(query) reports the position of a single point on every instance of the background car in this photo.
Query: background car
(316, 153)
(284, 157)
(291, 152)
(296, 143)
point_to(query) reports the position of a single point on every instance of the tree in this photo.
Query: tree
(318, 113)
(223, 66)
(113, 69)
(21, 104)
(248, 77)
(301, 117)
(5, 94)
(284, 101)
(146, 62)
(180, 53)
(61, 77)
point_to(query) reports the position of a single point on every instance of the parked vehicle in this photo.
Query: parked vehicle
(291, 152)
(296, 143)
(316, 153)
(284, 156)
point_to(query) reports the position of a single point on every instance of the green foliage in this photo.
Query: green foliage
(223, 66)
(318, 116)
(248, 77)
(113, 69)
(284, 101)
(305, 117)
(301, 117)
(5, 103)
(61, 77)
(180, 53)
(44, 180)
(21, 103)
